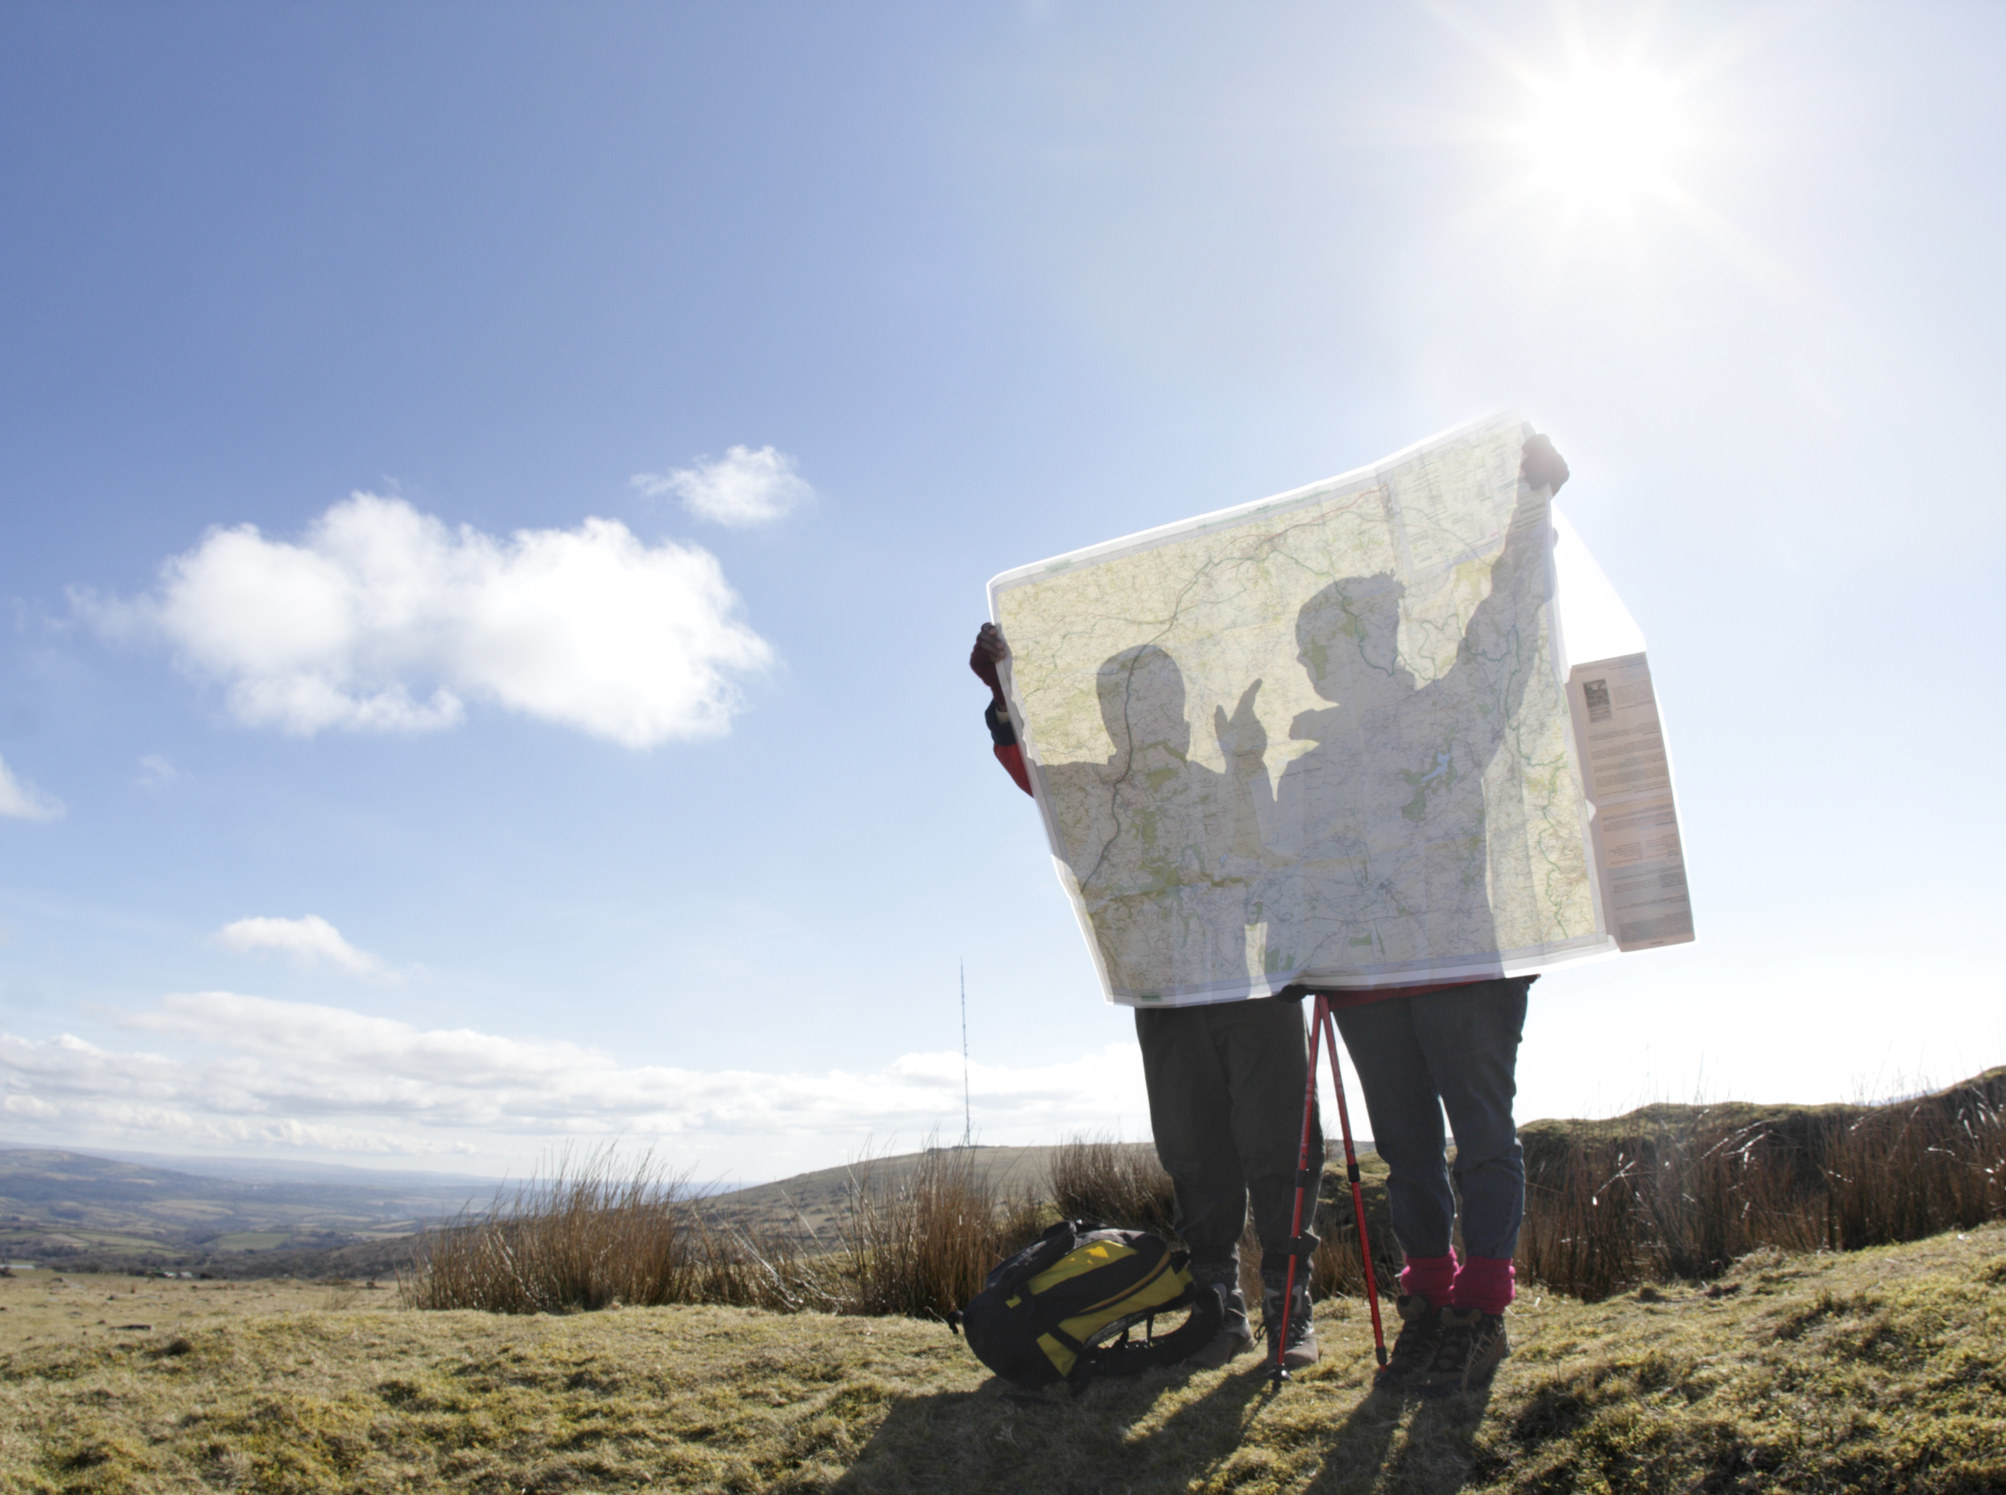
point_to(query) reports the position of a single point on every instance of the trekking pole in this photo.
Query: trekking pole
(1351, 1172)
(1305, 1177)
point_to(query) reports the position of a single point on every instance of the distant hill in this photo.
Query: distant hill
(813, 1204)
(72, 1206)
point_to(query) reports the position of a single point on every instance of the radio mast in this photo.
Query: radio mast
(967, 1129)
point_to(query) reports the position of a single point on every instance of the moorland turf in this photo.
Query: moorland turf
(1879, 1370)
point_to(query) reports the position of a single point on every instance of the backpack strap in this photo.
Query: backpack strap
(1132, 1357)
(1035, 1258)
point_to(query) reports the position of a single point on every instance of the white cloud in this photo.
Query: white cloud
(255, 1071)
(310, 941)
(23, 801)
(740, 489)
(384, 619)
(155, 772)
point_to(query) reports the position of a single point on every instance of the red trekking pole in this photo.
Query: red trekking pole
(1323, 1026)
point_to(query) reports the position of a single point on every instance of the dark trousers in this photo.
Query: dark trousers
(1453, 1050)
(1226, 1105)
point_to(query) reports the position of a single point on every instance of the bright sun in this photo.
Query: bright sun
(1605, 136)
(1604, 149)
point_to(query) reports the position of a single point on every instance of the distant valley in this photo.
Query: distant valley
(229, 1217)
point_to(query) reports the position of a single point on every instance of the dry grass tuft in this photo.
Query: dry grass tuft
(921, 1247)
(1113, 1183)
(590, 1238)
(1905, 1171)
(1679, 1193)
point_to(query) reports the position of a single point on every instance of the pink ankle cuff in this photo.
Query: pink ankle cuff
(1432, 1277)
(1484, 1283)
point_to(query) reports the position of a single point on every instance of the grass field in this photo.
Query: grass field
(1878, 1370)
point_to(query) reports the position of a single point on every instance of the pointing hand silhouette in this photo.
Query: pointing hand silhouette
(1241, 735)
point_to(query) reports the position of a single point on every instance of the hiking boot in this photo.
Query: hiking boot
(1222, 1347)
(1467, 1355)
(1301, 1350)
(1414, 1349)
(1235, 1336)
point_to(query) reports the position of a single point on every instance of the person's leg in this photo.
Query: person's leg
(1190, 1116)
(1267, 1071)
(1263, 1047)
(1406, 1117)
(1470, 1036)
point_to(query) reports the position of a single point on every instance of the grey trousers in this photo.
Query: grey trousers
(1454, 1050)
(1226, 1106)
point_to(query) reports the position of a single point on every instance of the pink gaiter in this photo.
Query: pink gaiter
(1433, 1277)
(1484, 1283)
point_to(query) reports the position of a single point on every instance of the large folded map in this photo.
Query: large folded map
(1327, 740)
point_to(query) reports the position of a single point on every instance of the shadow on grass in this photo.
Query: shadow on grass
(1235, 1433)
(999, 1439)
(1435, 1457)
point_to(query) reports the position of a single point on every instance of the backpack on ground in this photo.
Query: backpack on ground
(1063, 1308)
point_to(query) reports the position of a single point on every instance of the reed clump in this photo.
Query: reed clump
(1681, 1193)
(921, 1244)
(1112, 1183)
(594, 1234)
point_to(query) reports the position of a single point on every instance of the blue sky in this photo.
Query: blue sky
(688, 853)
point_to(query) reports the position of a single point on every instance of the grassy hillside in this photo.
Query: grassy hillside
(1873, 1370)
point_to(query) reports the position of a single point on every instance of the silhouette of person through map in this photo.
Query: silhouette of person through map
(1375, 837)
(1166, 849)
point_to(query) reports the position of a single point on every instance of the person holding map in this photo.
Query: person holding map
(1171, 846)
(1421, 1051)
(1373, 850)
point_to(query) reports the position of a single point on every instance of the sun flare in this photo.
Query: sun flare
(1605, 136)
